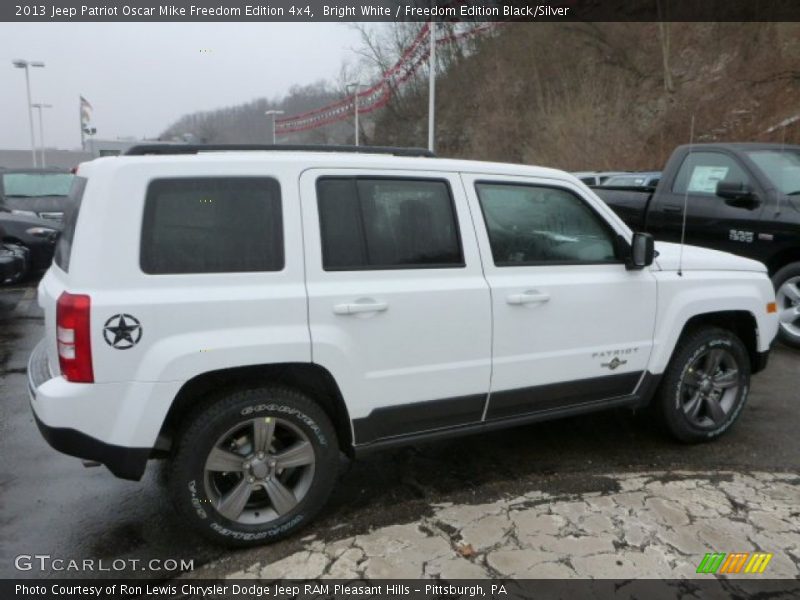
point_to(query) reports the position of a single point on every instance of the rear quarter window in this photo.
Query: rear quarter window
(64, 243)
(212, 225)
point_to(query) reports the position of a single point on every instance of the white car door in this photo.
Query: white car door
(399, 310)
(571, 324)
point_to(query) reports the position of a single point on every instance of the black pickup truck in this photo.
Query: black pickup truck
(740, 198)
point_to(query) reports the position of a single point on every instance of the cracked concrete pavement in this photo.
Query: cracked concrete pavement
(642, 526)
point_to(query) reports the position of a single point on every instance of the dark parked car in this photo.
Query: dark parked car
(740, 198)
(37, 236)
(633, 180)
(36, 192)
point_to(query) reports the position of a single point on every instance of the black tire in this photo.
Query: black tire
(789, 272)
(677, 391)
(196, 492)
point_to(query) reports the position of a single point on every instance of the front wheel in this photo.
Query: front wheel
(787, 296)
(254, 466)
(706, 385)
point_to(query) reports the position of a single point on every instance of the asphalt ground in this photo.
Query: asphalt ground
(51, 505)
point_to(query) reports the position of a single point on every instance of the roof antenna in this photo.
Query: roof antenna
(686, 201)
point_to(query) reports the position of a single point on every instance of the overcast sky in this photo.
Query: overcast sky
(140, 77)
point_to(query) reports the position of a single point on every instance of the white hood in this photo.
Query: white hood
(702, 259)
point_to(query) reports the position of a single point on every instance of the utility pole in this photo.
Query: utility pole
(39, 106)
(274, 114)
(432, 89)
(356, 87)
(20, 63)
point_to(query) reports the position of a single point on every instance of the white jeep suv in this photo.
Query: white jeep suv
(250, 314)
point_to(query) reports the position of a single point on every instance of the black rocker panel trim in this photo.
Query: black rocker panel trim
(432, 417)
(390, 421)
(509, 403)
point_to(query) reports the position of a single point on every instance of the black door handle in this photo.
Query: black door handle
(671, 208)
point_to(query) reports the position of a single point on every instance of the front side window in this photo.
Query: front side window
(381, 223)
(702, 171)
(535, 225)
(212, 225)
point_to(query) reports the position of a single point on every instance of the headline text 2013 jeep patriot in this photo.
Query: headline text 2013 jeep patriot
(250, 315)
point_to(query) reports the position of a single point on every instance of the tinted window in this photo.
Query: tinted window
(212, 225)
(387, 223)
(701, 171)
(530, 225)
(64, 243)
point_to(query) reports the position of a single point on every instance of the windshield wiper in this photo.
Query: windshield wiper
(797, 193)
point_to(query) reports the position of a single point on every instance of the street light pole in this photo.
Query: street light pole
(274, 114)
(356, 87)
(20, 63)
(432, 89)
(39, 106)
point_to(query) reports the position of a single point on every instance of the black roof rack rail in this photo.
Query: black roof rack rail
(163, 149)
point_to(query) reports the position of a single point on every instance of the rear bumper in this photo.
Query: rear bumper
(124, 462)
(42, 252)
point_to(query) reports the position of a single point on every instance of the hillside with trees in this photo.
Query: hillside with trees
(573, 96)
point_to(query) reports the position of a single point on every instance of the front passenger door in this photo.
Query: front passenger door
(571, 324)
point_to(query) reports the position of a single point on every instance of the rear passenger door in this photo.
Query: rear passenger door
(399, 309)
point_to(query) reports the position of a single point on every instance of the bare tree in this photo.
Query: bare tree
(664, 35)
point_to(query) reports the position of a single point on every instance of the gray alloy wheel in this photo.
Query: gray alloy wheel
(788, 299)
(259, 470)
(710, 389)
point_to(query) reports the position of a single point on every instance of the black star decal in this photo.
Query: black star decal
(126, 332)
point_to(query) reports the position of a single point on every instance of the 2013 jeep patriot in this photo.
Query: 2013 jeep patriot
(250, 315)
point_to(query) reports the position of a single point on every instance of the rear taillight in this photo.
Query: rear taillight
(72, 335)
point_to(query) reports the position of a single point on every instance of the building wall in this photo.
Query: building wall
(65, 159)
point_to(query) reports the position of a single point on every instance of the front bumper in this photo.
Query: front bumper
(759, 362)
(124, 462)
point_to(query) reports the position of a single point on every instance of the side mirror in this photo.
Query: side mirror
(738, 195)
(643, 251)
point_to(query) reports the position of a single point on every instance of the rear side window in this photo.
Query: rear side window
(64, 243)
(382, 223)
(212, 225)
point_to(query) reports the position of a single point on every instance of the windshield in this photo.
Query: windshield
(782, 167)
(32, 185)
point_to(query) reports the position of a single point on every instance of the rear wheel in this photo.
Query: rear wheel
(255, 466)
(705, 386)
(787, 295)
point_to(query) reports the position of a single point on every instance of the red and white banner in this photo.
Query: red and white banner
(379, 94)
